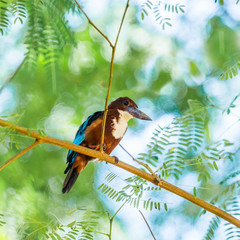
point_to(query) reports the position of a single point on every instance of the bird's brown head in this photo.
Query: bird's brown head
(128, 105)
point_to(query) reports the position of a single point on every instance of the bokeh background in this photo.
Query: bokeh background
(161, 69)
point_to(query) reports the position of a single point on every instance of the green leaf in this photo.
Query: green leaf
(222, 77)
(145, 12)
(221, 2)
(71, 224)
(215, 165)
(165, 207)
(194, 70)
(195, 192)
(181, 8)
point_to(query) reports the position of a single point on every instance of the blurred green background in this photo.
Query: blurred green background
(64, 79)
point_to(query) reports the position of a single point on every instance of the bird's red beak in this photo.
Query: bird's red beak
(135, 112)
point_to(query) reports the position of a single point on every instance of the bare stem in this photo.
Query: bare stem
(91, 23)
(107, 99)
(19, 154)
(141, 163)
(147, 225)
(149, 177)
(110, 229)
(120, 28)
(112, 218)
(110, 78)
(13, 75)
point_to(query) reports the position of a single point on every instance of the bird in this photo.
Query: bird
(120, 111)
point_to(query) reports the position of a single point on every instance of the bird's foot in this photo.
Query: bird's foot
(116, 159)
(97, 147)
(104, 146)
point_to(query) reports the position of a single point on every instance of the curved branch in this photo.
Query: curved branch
(90, 22)
(103, 156)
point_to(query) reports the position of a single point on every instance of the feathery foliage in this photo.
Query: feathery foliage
(84, 226)
(228, 199)
(8, 137)
(9, 9)
(172, 150)
(47, 34)
(182, 145)
(2, 222)
(4, 12)
(175, 150)
(177, 143)
(133, 193)
(78, 229)
(47, 30)
(232, 207)
(232, 71)
(19, 10)
(213, 226)
(157, 8)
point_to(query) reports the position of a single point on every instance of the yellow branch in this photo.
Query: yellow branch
(110, 78)
(103, 156)
(20, 154)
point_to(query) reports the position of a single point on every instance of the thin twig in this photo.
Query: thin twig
(149, 177)
(110, 78)
(13, 75)
(134, 159)
(120, 28)
(107, 99)
(90, 22)
(112, 218)
(19, 154)
(147, 225)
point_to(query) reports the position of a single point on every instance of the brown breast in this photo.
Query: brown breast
(93, 133)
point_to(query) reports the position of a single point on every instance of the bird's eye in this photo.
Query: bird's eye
(125, 102)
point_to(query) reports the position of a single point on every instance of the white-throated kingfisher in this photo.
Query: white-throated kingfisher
(88, 135)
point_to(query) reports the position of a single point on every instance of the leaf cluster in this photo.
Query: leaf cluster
(8, 9)
(135, 193)
(172, 150)
(232, 70)
(158, 8)
(83, 227)
(47, 30)
(228, 199)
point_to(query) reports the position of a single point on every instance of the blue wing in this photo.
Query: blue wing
(80, 137)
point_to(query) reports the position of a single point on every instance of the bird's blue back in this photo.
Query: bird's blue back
(79, 138)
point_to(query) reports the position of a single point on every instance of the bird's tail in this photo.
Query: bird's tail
(70, 180)
(72, 175)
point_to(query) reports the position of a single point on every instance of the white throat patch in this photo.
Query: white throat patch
(120, 126)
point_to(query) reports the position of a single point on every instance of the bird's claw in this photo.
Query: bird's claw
(104, 146)
(116, 159)
(97, 147)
